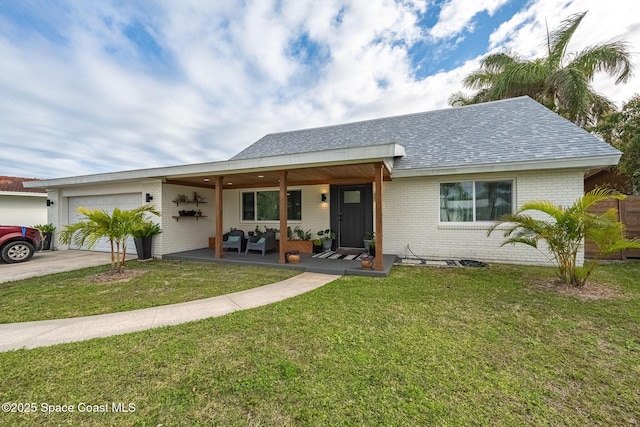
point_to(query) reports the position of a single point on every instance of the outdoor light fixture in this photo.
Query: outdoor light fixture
(148, 197)
(324, 197)
(49, 202)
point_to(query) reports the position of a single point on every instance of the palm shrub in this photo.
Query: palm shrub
(560, 80)
(115, 227)
(566, 229)
(146, 229)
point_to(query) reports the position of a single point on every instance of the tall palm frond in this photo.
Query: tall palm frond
(558, 40)
(560, 81)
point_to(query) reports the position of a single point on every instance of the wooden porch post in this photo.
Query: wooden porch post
(378, 264)
(219, 210)
(283, 216)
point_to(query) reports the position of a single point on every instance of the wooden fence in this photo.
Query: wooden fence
(629, 214)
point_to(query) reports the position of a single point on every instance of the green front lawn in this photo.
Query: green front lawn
(425, 346)
(77, 293)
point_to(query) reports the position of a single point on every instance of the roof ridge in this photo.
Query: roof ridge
(379, 119)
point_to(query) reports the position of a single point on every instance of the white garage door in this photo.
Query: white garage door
(107, 203)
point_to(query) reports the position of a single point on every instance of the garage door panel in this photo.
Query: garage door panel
(108, 203)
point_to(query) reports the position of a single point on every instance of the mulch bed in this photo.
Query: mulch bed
(110, 277)
(590, 291)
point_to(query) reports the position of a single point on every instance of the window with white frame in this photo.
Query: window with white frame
(471, 201)
(265, 205)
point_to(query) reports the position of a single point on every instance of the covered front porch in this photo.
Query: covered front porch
(307, 263)
(349, 178)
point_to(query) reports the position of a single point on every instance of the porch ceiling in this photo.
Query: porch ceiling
(335, 174)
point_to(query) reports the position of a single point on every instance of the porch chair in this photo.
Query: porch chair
(264, 243)
(234, 240)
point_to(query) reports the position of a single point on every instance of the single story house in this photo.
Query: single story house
(429, 184)
(19, 205)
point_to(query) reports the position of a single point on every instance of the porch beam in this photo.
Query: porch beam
(283, 216)
(219, 210)
(378, 264)
(291, 183)
(189, 183)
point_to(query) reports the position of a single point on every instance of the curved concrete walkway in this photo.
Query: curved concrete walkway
(15, 336)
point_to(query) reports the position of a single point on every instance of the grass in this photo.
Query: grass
(73, 294)
(424, 346)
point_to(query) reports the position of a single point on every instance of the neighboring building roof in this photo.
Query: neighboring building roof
(14, 185)
(508, 131)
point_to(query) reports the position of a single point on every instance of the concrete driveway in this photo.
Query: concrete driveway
(47, 262)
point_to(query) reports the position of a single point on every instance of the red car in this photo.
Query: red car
(17, 244)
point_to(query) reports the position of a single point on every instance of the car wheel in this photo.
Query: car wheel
(17, 251)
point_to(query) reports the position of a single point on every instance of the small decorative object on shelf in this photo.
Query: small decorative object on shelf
(181, 198)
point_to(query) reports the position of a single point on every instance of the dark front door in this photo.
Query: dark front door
(354, 214)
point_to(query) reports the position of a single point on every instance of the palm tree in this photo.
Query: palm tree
(560, 81)
(116, 227)
(565, 231)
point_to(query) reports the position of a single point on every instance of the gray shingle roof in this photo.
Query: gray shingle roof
(512, 130)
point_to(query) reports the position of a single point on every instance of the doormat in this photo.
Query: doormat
(338, 255)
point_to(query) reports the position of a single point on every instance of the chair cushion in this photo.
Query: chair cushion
(233, 239)
(261, 240)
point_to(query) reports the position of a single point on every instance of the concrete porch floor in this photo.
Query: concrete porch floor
(270, 259)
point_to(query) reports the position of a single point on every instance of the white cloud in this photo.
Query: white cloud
(457, 15)
(90, 101)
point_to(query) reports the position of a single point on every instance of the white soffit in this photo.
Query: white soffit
(298, 160)
(575, 163)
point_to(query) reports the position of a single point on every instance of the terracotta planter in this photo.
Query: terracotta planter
(366, 264)
(294, 258)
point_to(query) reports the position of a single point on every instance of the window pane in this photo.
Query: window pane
(268, 206)
(456, 202)
(352, 196)
(248, 207)
(493, 199)
(294, 205)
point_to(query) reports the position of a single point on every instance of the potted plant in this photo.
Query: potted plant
(47, 231)
(369, 237)
(372, 248)
(327, 237)
(317, 246)
(142, 236)
(366, 262)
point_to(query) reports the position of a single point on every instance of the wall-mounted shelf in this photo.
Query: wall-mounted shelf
(187, 216)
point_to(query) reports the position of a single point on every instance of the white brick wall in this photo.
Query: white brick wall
(185, 233)
(411, 217)
(53, 215)
(154, 188)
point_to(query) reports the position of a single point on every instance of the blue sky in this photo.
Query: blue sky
(98, 86)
